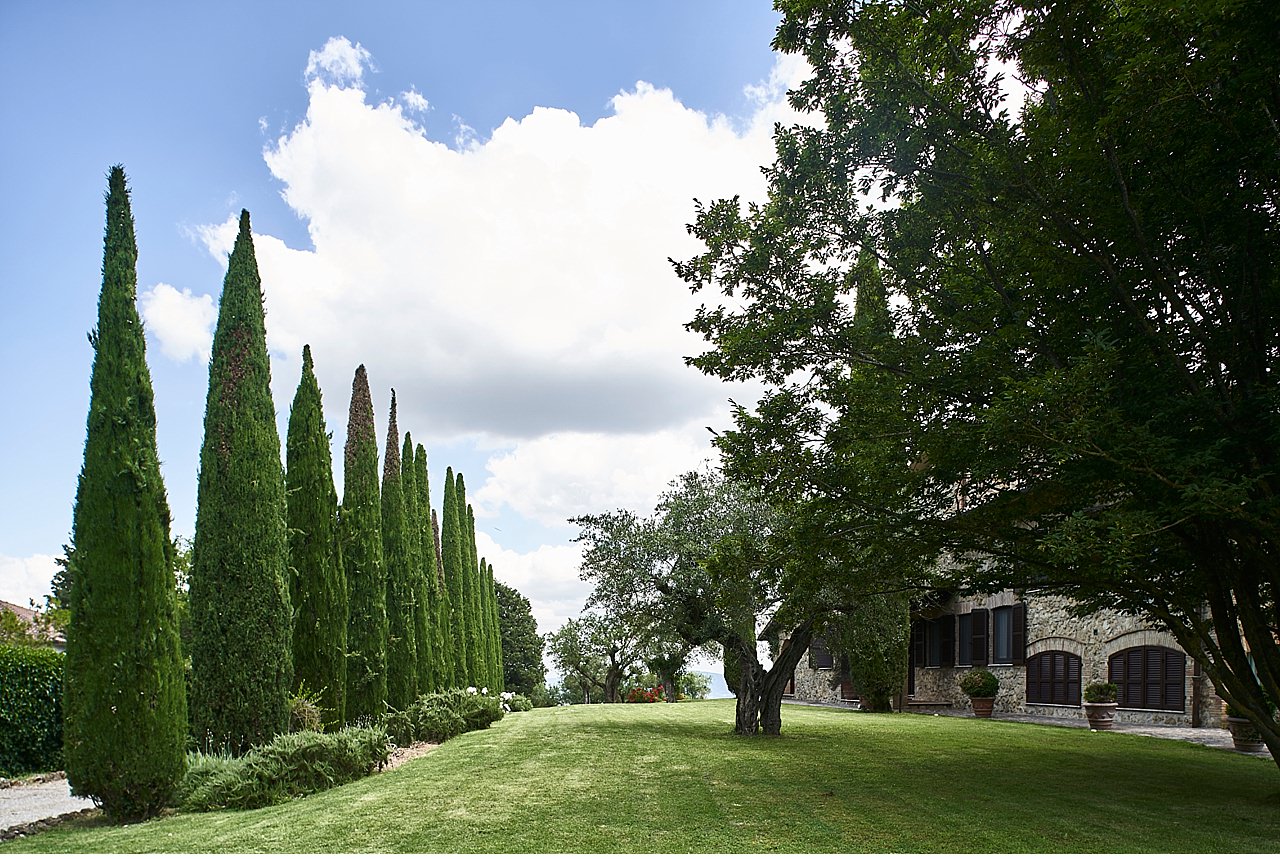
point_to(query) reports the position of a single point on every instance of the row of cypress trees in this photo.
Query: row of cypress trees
(367, 604)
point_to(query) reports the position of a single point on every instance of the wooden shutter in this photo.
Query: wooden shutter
(1053, 677)
(819, 655)
(917, 643)
(978, 643)
(1149, 678)
(1019, 633)
(947, 639)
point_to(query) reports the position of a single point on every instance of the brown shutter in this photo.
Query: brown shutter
(978, 643)
(1073, 679)
(947, 635)
(1019, 633)
(917, 642)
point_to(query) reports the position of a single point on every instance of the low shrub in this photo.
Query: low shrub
(1100, 692)
(439, 716)
(436, 722)
(979, 683)
(30, 709)
(289, 766)
(514, 702)
(641, 695)
(305, 713)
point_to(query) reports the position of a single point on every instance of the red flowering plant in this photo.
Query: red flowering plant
(641, 695)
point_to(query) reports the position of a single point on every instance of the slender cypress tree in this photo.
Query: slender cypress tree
(447, 667)
(124, 708)
(241, 619)
(470, 585)
(482, 627)
(432, 680)
(495, 632)
(402, 652)
(360, 533)
(455, 555)
(414, 532)
(318, 582)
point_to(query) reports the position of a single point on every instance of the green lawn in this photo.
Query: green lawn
(672, 778)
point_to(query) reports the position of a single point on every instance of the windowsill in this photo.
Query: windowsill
(1181, 712)
(1000, 665)
(1043, 704)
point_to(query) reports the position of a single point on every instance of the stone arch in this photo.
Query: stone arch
(1056, 642)
(1140, 638)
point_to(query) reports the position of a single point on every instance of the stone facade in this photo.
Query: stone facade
(1049, 626)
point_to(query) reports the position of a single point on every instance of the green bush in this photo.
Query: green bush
(979, 683)
(305, 713)
(439, 716)
(30, 709)
(437, 723)
(518, 703)
(289, 766)
(1100, 692)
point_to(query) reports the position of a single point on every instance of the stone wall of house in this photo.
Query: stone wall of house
(814, 684)
(1051, 625)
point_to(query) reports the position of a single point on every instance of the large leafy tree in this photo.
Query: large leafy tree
(706, 567)
(360, 532)
(1077, 237)
(241, 618)
(318, 583)
(596, 651)
(521, 645)
(124, 704)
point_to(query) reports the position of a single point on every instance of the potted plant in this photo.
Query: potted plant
(1244, 734)
(980, 685)
(1100, 705)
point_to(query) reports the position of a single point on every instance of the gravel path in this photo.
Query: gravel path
(27, 803)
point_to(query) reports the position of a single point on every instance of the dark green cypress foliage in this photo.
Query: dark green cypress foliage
(486, 644)
(241, 619)
(318, 583)
(360, 533)
(470, 567)
(414, 531)
(429, 676)
(455, 561)
(446, 670)
(402, 653)
(495, 632)
(125, 711)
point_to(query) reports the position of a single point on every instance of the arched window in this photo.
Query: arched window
(1053, 677)
(1150, 678)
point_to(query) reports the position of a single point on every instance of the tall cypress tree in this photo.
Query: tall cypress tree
(455, 562)
(430, 677)
(318, 583)
(495, 632)
(360, 533)
(470, 585)
(447, 666)
(414, 527)
(241, 619)
(124, 707)
(402, 653)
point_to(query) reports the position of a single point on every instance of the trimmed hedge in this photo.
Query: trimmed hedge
(441, 716)
(30, 709)
(289, 766)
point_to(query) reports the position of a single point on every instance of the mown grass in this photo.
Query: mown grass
(672, 778)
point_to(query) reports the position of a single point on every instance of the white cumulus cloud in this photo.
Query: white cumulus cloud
(547, 577)
(26, 579)
(181, 322)
(338, 63)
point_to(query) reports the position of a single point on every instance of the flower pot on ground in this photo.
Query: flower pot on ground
(1244, 734)
(1100, 705)
(981, 686)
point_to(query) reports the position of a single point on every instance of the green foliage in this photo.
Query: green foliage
(290, 766)
(596, 653)
(496, 673)
(30, 709)
(415, 528)
(517, 703)
(872, 637)
(439, 716)
(318, 587)
(124, 698)
(454, 576)
(979, 683)
(241, 618)
(478, 709)
(521, 646)
(472, 622)
(398, 545)
(1072, 379)
(439, 669)
(1100, 693)
(360, 533)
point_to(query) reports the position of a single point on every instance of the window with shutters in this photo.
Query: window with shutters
(1053, 677)
(964, 639)
(819, 655)
(940, 642)
(1150, 678)
(1009, 634)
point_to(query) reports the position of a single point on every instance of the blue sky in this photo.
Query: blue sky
(477, 201)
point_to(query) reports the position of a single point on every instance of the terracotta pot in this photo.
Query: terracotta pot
(982, 707)
(1101, 715)
(1244, 736)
